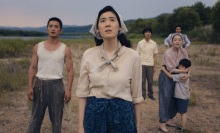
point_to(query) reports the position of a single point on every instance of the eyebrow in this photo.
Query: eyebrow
(105, 18)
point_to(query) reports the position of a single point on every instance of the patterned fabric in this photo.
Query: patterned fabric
(109, 116)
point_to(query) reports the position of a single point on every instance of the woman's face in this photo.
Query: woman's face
(177, 41)
(108, 25)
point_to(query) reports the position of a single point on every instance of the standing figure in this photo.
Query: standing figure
(46, 67)
(148, 50)
(178, 29)
(109, 86)
(171, 59)
(182, 93)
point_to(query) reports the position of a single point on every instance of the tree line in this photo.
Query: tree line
(200, 22)
(6, 32)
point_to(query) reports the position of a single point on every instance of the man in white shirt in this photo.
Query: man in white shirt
(178, 29)
(147, 50)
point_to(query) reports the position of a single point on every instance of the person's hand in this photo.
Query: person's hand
(81, 130)
(187, 70)
(30, 94)
(184, 78)
(67, 96)
(155, 69)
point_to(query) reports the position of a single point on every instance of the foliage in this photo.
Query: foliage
(13, 74)
(205, 13)
(16, 47)
(204, 34)
(216, 17)
(6, 32)
(162, 25)
(184, 16)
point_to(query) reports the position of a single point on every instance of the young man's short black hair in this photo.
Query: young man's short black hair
(55, 19)
(177, 26)
(185, 62)
(147, 30)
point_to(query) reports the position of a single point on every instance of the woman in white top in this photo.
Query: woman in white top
(109, 86)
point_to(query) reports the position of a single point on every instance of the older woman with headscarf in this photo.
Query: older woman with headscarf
(109, 86)
(171, 59)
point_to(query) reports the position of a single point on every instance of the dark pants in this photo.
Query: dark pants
(147, 74)
(167, 106)
(109, 116)
(47, 93)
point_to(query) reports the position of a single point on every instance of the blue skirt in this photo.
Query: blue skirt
(109, 116)
(167, 106)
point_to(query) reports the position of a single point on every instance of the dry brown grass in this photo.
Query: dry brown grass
(203, 112)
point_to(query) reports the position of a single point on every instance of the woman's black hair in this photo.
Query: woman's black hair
(176, 35)
(121, 37)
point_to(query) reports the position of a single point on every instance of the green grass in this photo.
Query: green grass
(16, 47)
(13, 75)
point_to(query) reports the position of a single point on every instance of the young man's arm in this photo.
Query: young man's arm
(155, 62)
(187, 42)
(69, 69)
(32, 72)
(167, 40)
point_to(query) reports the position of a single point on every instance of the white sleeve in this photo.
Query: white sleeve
(168, 40)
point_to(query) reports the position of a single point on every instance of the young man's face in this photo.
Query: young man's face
(178, 29)
(54, 29)
(147, 35)
(181, 67)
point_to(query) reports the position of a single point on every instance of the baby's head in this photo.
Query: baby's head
(184, 63)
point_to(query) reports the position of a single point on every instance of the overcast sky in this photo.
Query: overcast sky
(35, 13)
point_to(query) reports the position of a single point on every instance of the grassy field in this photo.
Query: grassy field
(203, 112)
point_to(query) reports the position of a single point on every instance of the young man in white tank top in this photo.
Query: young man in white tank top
(48, 58)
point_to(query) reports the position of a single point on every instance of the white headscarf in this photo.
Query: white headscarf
(93, 30)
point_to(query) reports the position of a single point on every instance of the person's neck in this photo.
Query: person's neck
(176, 49)
(110, 46)
(53, 41)
(147, 39)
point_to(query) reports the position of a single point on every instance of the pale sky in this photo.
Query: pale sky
(35, 13)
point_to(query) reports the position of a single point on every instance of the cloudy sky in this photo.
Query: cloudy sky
(35, 13)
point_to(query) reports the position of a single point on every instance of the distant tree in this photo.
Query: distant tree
(205, 13)
(138, 26)
(187, 17)
(216, 17)
(162, 20)
(216, 22)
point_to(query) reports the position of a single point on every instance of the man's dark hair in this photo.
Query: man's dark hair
(55, 19)
(185, 62)
(147, 30)
(121, 37)
(177, 26)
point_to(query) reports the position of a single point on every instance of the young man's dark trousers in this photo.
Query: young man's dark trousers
(47, 93)
(147, 74)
